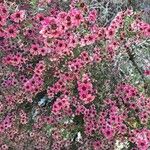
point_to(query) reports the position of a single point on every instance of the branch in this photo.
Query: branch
(131, 58)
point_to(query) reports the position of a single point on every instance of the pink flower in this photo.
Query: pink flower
(35, 49)
(76, 17)
(18, 16)
(147, 72)
(2, 20)
(2, 129)
(92, 16)
(110, 33)
(142, 144)
(3, 11)
(4, 147)
(61, 16)
(97, 145)
(52, 28)
(90, 39)
(11, 31)
(43, 51)
(40, 68)
(40, 17)
(108, 133)
(89, 98)
(72, 42)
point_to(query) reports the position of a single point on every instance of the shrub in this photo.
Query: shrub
(68, 82)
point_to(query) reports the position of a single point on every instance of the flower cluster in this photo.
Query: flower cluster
(60, 104)
(58, 87)
(85, 89)
(126, 92)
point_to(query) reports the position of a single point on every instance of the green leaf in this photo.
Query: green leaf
(33, 3)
